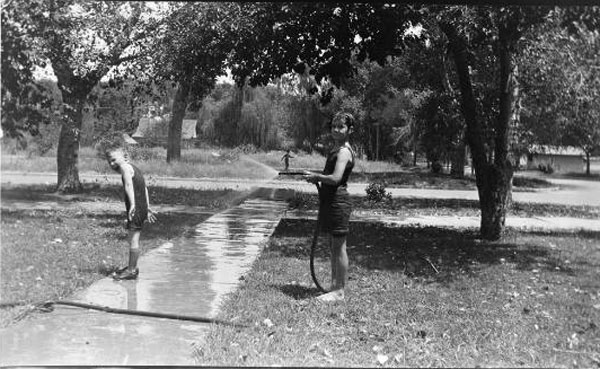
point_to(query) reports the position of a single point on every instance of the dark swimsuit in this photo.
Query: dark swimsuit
(141, 204)
(335, 205)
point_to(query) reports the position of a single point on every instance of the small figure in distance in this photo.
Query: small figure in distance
(286, 159)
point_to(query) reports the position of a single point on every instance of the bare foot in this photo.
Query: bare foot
(337, 295)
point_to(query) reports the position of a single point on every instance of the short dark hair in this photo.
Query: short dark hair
(347, 118)
(109, 143)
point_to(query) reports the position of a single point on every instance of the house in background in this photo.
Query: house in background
(557, 159)
(155, 129)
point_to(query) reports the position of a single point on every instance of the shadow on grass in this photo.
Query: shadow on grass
(218, 198)
(417, 179)
(454, 206)
(438, 254)
(298, 292)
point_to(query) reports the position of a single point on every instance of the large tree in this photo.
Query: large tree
(191, 55)
(501, 29)
(83, 41)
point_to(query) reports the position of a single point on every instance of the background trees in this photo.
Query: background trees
(82, 42)
(418, 78)
(561, 85)
(24, 98)
(190, 53)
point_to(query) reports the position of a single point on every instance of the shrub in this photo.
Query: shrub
(376, 192)
(436, 167)
(546, 168)
(302, 200)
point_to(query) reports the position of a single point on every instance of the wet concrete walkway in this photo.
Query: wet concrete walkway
(187, 277)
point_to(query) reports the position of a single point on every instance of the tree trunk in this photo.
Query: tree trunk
(493, 180)
(493, 185)
(500, 177)
(587, 163)
(175, 126)
(415, 153)
(68, 145)
(458, 161)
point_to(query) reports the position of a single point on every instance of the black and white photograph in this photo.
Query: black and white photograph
(300, 184)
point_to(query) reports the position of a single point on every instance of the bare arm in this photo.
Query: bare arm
(344, 156)
(151, 213)
(127, 175)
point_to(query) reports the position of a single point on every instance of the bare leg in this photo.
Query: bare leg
(339, 257)
(333, 260)
(134, 248)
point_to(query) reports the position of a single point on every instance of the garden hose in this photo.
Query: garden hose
(48, 306)
(315, 239)
(313, 247)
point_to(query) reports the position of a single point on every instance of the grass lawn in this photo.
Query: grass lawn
(530, 300)
(194, 163)
(49, 254)
(449, 207)
(232, 163)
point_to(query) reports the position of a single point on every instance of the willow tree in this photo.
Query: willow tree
(320, 43)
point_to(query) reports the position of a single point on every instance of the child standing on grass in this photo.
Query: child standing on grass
(137, 205)
(286, 159)
(334, 201)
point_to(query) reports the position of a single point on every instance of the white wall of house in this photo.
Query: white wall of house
(560, 163)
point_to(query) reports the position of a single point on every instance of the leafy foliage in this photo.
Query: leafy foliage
(274, 36)
(562, 88)
(25, 102)
(376, 192)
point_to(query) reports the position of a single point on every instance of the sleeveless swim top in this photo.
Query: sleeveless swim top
(139, 191)
(330, 190)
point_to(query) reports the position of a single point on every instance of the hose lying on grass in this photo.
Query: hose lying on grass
(48, 306)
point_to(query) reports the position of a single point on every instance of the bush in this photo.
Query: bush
(302, 200)
(376, 192)
(546, 168)
(436, 167)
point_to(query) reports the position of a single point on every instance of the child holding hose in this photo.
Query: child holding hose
(335, 206)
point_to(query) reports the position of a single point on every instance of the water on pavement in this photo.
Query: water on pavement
(187, 277)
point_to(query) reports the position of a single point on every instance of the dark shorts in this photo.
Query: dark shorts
(138, 219)
(335, 215)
